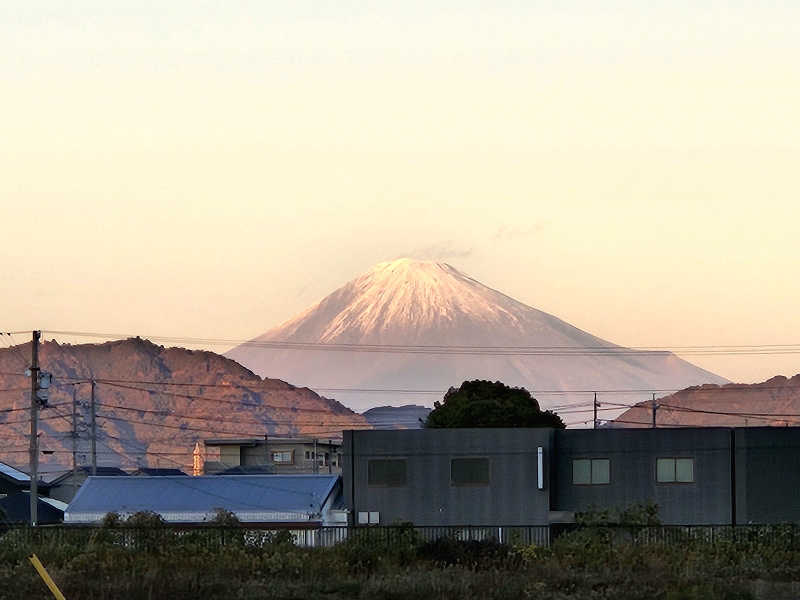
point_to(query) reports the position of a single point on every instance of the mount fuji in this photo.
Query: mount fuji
(416, 328)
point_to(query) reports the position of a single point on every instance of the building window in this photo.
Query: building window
(469, 471)
(282, 456)
(308, 455)
(675, 470)
(387, 472)
(591, 471)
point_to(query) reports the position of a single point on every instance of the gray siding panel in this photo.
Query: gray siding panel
(511, 498)
(633, 454)
(768, 474)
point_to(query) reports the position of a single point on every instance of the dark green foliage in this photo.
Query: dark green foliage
(473, 554)
(225, 518)
(642, 513)
(368, 549)
(144, 518)
(393, 563)
(481, 403)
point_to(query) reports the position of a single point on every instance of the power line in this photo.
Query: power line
(214, 419)
(458, 349)
(205, 398)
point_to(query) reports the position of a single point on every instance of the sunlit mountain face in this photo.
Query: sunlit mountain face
(408, 329)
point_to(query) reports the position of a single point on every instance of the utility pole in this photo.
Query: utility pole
(595, 410)
(74, 440)
(316, 458)
(330, 456)
(34, 445)
(655, 408)
(94, 432)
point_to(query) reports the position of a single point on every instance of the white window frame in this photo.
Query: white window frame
(289, 453)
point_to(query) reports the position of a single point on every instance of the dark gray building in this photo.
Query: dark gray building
(447, 476)
(541, 476)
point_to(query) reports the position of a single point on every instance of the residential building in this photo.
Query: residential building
(542, 476)
(292, 501)
(65, 486)
(157, 472)
(282, 455)
(16, 508)
(13, 480)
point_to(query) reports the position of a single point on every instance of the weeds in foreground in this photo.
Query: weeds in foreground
(152, 562)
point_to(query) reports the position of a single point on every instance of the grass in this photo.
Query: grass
(105, 564)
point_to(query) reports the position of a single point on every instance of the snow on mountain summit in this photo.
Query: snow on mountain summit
(414, 302)
(407, 302)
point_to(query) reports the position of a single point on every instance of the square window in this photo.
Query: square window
(387, 472)
(363, 518)
(282, 456)
(469, 471)
(675, 470)
(582, 471)
(591, 471)
(374, 518)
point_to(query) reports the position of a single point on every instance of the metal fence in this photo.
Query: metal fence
(785, 536)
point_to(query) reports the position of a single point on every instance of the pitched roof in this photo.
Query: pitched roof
(248, 470)
(17, 509)
(158, 472)
(254, 498)
(14, 474)
(105, 471)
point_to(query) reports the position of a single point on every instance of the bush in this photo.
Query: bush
(472, 554)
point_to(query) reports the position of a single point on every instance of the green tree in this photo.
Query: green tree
(481, 403)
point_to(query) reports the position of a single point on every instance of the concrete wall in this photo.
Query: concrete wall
(428, 498)
(633, 454)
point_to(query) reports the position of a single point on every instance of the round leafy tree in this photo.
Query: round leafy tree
(481, 403)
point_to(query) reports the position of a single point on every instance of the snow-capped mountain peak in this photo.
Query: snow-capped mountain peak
(407, 302)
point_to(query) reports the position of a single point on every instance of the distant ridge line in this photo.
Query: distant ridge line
(697, 350)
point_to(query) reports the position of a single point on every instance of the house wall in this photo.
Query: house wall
(7, 487)
(66, 489)
(260, 453)
(230, 456)
(428, 498)
(633, 454)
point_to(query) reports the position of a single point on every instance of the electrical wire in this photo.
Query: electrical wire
(457, 349)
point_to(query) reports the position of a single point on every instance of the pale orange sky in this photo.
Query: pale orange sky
(212, 169)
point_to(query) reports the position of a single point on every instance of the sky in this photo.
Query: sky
(209, 169)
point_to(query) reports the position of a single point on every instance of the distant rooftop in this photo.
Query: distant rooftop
(158, 472)
(13, 473)
(254, 498)
(107, 471)
(269, 440)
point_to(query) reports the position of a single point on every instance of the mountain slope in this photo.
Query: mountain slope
(147, 416)
(411, 416)
(418, 303)
(775, 402)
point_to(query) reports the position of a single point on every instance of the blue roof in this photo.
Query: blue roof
(180, 498)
